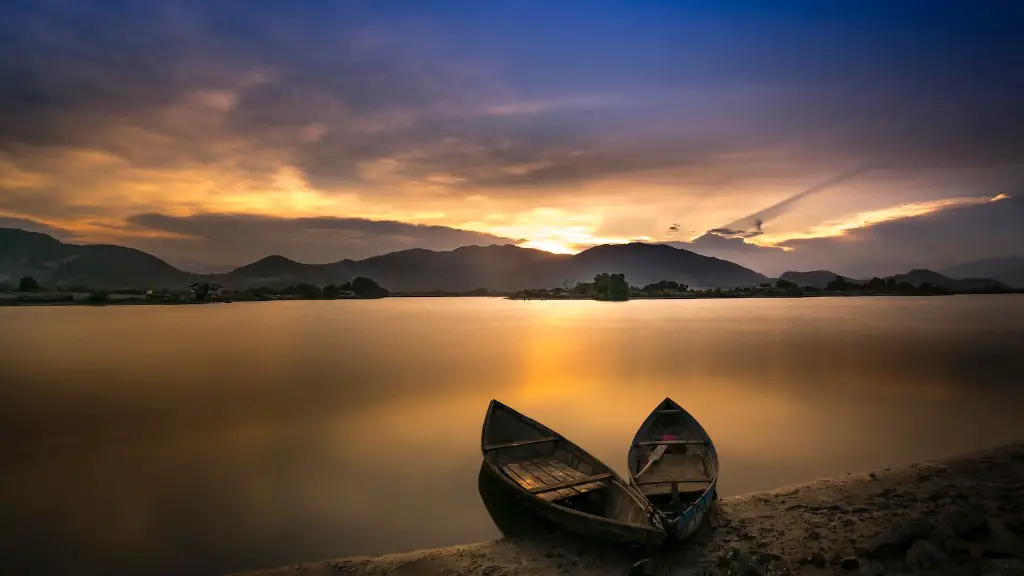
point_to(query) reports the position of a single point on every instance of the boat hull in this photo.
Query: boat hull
(588, 527)
(683, 525)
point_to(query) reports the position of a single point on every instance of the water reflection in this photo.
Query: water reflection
(514, 520)
(202, 440)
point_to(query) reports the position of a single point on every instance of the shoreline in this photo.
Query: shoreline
(10, 302)
(958, 515)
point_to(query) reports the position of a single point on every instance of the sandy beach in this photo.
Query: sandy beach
(961, 515)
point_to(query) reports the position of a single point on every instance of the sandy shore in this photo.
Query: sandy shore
(962, 515)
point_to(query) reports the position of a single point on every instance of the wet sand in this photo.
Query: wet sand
(962, 515)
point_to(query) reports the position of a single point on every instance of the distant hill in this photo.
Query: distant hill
(501, 268)
(642, 264)
(1009, 271)
(95, 265)
(920, 276)
(815, 278)
(280, 271)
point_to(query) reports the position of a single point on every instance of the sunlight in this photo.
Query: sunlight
(840, 227)
(547, 245)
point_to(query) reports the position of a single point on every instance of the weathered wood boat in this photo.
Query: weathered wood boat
(673, 464)
(563, 483)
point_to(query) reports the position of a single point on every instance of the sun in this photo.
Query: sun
(549, 245)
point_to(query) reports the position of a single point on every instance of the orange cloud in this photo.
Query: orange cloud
(841, 226)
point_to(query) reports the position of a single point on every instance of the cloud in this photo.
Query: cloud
(869, 218)
(391, 112)
(241, 238)
(752, 225)
(34, 226)
(889, 241)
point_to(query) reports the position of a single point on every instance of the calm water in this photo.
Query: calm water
(204, 439)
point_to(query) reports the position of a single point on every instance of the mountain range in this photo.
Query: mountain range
(496, 267)
(501, 268)
(1009, 271)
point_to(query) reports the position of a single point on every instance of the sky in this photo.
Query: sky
(864, 137)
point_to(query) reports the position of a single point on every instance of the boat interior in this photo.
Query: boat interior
(672, 464)
(550, 468)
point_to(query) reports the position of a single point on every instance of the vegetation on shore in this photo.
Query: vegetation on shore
(30, 292)
(605, 287)
(616, 288)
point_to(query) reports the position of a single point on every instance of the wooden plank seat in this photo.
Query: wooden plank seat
(660, 442)
(551, 479)
(520, 443)
(655, 489)
(685, 468)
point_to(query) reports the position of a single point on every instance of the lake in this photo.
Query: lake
(205, 439)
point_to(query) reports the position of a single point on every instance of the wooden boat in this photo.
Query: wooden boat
(673, 464)
(562, 482)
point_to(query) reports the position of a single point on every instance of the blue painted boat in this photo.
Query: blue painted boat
(673, 464)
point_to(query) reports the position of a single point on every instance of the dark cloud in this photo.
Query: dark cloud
(239, 238)
(33, 226)
(914, 87)
(729, 233)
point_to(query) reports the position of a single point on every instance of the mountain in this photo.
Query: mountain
(1009, 271)
(501, 268)
(280, 271)
(816, 278)
(504, 267)
(96, 265)
(920, 276)
(642, 264)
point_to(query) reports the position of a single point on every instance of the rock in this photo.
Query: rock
(765, 558)
(744, 566)
(850, 563)
(861, 509)
(644, 567)
(814, 535)
(969, 524)
(1002, 549)
(1004, 567)
(923, 555)
(896, 542)
(959, 547)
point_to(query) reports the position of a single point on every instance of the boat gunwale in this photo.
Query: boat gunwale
(712, 483)
(629, 491)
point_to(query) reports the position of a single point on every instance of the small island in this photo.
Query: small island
(615, 287)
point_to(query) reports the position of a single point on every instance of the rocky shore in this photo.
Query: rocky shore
(963, 515)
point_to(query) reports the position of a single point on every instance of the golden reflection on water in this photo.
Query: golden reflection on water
(205, 439)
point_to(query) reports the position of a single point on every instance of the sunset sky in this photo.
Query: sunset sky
(866, 137)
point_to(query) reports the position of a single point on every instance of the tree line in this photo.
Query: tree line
(358, 287)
